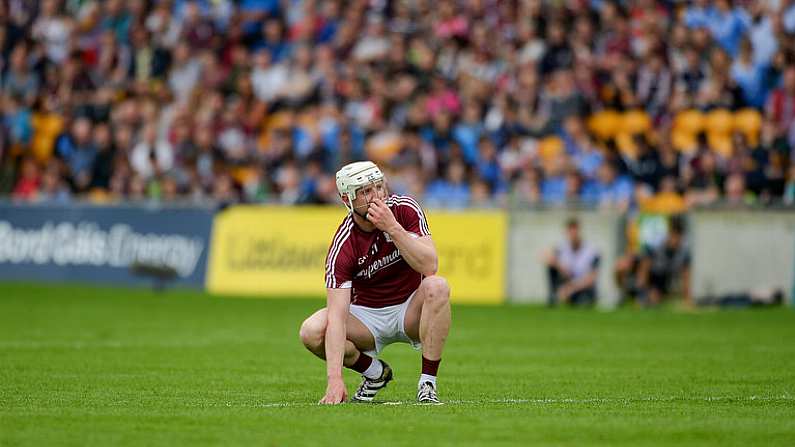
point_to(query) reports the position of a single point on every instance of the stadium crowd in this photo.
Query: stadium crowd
(665, 104)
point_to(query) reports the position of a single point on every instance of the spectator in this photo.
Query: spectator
(553, 186)
(103, 164)
(586, 157)
(609, 190)
(152, 155)
(18, 122)
(468, 133)
(27, 186)
(761, 33)
(78, 153)
(19, 80)
(572, 269)
(780, 108)
(487, 165)
(451, 191)
(749, 75)
(660, 267)
(654, 84)
(184, 72)
(53, 29)
(53, 190)
(706, 182)
(288, 83)
(727, 25)
(692, 74)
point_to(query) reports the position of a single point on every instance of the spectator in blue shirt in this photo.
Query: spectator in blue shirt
(728, 25)
(585, 155)
(273, 40)
(553, 186)
(452, 191)
(749, 76)
(609, 189)
(254, 11)
(468, 132)
(762, 34)
(697, 14)
(78, 152)
(488, 168)
(17, 120)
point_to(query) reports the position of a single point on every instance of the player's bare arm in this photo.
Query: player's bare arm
(338, 302)
(419, 252)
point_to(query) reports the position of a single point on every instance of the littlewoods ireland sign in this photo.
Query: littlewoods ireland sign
(86, 244)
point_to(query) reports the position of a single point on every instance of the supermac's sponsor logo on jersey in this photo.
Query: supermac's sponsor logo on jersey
(379, 264)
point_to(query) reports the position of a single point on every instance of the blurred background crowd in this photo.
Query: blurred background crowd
(658, 104)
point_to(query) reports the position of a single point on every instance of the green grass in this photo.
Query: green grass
(102, 366)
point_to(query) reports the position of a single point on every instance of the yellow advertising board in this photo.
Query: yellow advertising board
(271, 250)
(471, 248)
(259, 250)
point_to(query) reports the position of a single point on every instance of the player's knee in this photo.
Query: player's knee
(436, 288)
(311, 333)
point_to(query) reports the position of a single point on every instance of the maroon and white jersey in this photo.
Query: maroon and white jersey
(370, 263)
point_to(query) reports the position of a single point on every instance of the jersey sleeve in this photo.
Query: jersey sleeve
(340, 261)
(409, 214)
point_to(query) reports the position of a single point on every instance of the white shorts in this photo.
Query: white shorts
(386, 324)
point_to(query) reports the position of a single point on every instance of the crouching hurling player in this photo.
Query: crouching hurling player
(381, 288)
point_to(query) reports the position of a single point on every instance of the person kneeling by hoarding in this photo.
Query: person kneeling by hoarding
(572, 269)
(661, 267)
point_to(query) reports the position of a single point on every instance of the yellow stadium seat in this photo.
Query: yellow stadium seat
(243, 174)
(684, 141)
(664, 203)
(749, 122)
(626, 145)
(720, 121)
(720, 143)
(689, 121)
(383, 146)
(605, 124)
(46, 128)
(635, 122)
(279, 121)
(308, 121)
(550, 147)
(99, 196)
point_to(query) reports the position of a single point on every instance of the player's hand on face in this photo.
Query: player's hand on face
(336, 393)
(381, 216)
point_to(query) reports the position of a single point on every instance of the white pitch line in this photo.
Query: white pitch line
(101, 344)
(608, 400)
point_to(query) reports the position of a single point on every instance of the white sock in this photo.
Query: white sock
(427, 378)
(375, 369)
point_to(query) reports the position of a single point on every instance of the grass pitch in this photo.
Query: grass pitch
(103, 366)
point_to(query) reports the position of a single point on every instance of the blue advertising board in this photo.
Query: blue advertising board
(100, 244)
